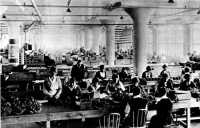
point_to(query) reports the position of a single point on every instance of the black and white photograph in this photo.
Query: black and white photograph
(100, 63)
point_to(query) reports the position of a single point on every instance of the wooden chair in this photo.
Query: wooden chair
(140, 121)
(110, 121)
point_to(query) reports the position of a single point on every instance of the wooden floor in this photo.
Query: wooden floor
(91, 123)
(76, 124)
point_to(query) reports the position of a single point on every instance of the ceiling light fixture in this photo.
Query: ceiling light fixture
(171, 1)
(4, 16)
(68, 8)
(198, 12)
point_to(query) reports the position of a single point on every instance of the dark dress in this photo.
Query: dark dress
(99, 76)
(123, 76)
(163, 117)
(164, 72)
(158, 122)
(77, 72)
(72, 95)
(147, 75)
(186, 85)
(168, 84)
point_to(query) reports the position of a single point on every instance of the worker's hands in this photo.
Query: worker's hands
(56, 96)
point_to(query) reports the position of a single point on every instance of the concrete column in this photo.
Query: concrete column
(140, 17)
(110, 45)
(90, 38)
(86, 43)
(155, 40)
(187, 39)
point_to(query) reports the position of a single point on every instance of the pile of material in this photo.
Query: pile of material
(19, 106)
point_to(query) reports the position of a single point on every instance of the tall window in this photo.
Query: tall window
(170, 41)
(124, 43)
(196, 38)
(3, 35)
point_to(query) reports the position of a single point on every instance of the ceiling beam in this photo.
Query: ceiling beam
(179, 4)
(67, 15)
(37, 10)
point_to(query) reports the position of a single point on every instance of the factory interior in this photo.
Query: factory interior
(100, 64)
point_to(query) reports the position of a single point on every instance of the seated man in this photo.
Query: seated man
(135, 103)
(52, 85)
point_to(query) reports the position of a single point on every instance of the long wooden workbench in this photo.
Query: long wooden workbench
(51, 113)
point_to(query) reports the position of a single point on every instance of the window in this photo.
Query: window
(170, 41)
(196, 38)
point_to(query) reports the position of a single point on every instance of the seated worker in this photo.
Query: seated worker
(101, 74)
(197, 83)
(78, 71)
(115, 85)
(123, 75)
(136, 84)
(135, 103)
(161, 94)
(115, 72)
(163, 117)
(147, 74)
(196, 89)
(186, 84)
(94, 88)
(164, 71)
(165, 81)
(52, 85)
(72, 92)
(186, 70)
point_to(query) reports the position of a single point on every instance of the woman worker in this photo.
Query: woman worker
(52, 86)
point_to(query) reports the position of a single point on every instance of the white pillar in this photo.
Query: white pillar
(86, 43)
(140, 17)
(187, 39)
(155, 40)
(96, 39)
(110, 45)
(90, 38)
